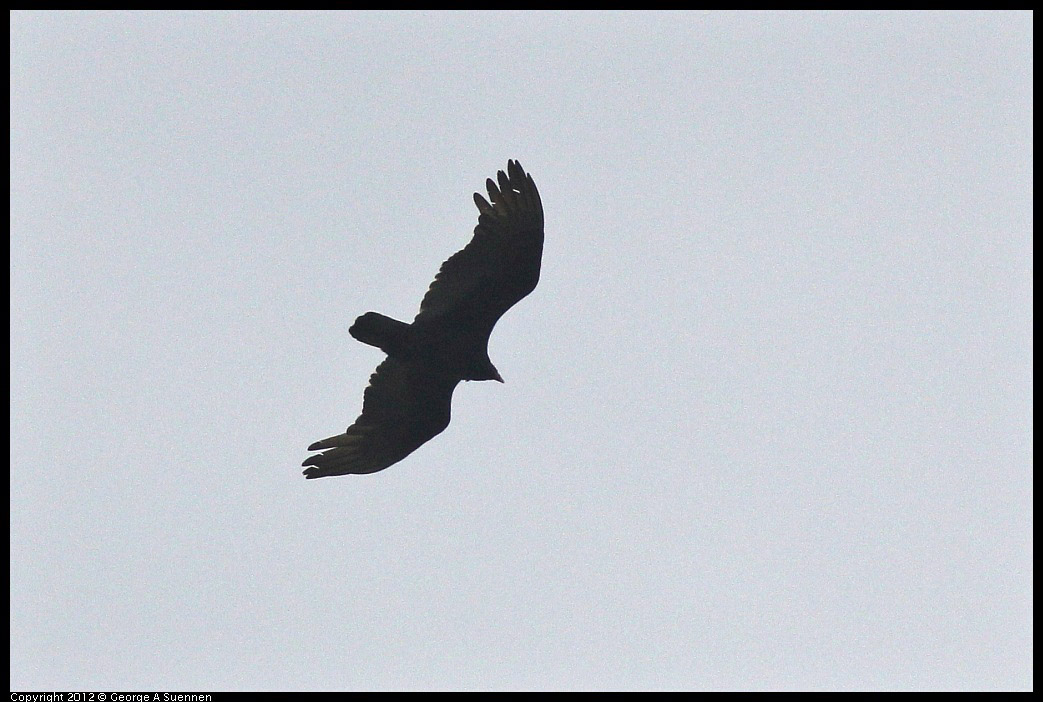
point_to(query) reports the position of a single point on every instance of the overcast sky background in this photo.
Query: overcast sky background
(767, 420)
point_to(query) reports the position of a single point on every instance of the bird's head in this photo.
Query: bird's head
(487, 371)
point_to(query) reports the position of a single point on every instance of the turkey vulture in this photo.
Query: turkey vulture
(409, 395)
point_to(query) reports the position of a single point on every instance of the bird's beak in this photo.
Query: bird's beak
(497, 378)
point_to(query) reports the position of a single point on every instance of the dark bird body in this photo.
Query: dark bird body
(409, 395)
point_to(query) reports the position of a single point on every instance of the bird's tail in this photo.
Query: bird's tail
(389, 335)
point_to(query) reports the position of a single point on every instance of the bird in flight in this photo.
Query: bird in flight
(409, 395)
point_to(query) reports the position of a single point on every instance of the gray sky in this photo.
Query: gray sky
(768, 416)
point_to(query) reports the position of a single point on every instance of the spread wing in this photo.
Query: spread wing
(404, 406)
(501, 265)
